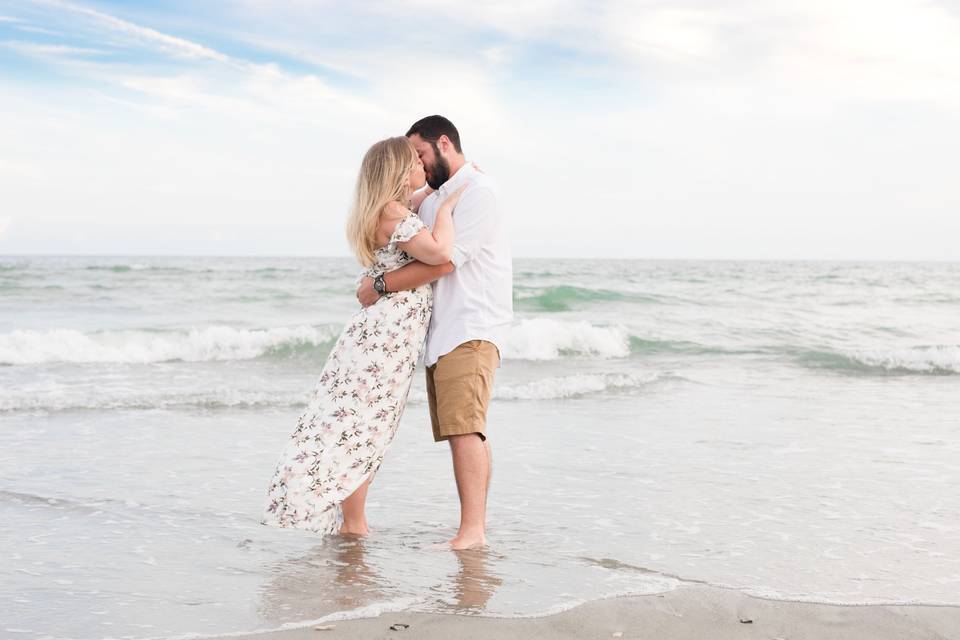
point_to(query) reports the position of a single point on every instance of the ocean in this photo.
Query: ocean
(785, 429)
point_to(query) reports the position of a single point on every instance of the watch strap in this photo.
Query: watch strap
(379, 284)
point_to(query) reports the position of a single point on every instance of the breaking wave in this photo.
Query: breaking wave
(534, 339)
(566, 297)
(64, 398)
(935, 360)
(193, 345)
(546, 339)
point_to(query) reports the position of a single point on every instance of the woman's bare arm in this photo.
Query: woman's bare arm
(411, 276)
(435, 247)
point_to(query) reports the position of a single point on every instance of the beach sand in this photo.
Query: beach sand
(701, 613)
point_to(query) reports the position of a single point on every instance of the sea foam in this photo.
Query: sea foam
(53, 398)
(933, 359)
(930, 360)
(556, 388)
(193, 345)
(547, 339)
(534, 339)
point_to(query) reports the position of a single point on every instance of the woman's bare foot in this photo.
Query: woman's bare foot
(354, 516)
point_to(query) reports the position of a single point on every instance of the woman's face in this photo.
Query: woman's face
(416, 178)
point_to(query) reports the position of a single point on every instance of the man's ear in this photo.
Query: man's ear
(443, 143)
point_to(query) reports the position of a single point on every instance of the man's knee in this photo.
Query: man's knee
(466, 439)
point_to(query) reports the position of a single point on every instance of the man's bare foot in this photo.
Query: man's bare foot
(354, 531)
(467, 541)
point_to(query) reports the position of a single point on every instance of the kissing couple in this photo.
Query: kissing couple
(438, 282)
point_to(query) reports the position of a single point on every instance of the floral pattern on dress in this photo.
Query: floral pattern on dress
(353, 414)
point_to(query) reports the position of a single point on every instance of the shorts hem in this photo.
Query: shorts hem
(440, 437)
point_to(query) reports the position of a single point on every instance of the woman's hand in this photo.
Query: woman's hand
(417, 198)
(454, 198)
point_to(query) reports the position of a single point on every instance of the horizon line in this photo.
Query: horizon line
(565, 258)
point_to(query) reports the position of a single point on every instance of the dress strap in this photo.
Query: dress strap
(407, 228)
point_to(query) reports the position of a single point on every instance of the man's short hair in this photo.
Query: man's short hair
(432, 127)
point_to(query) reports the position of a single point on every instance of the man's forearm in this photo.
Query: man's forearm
(415, 274)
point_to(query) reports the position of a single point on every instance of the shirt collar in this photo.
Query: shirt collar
(462, 175)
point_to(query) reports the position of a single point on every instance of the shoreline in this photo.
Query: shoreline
(691, 612)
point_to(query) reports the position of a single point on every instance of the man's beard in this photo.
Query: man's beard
(440, 171)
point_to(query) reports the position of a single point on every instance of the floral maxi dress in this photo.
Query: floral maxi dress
(349, 422)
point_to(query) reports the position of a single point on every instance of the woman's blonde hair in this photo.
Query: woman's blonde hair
(382, 179)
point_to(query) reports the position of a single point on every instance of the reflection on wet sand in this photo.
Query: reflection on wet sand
(333, 576)
(340, 574)
(474, 584)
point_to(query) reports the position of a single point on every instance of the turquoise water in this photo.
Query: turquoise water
(786, 429)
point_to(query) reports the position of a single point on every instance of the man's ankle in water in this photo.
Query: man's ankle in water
(355, 528)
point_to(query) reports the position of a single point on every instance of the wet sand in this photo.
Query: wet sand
(695, 612)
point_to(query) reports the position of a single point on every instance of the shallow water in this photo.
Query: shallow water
(787, 429)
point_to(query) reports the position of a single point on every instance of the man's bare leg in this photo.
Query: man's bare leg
(354, 512)
(471, 469)
(486, 446)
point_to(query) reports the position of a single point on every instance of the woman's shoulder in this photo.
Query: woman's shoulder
(397, 223)
(393, 214)
(394, 209)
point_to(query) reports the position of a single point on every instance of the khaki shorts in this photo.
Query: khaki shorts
(459, 387)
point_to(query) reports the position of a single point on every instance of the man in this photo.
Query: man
(472, 309)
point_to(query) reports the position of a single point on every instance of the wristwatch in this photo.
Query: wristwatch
(379, 285)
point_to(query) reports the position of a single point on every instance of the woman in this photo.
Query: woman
(321, 481)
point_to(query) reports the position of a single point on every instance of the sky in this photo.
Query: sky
(691, 129)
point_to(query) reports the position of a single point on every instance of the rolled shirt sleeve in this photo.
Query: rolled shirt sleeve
(474, 219)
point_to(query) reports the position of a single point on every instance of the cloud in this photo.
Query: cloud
(674, 32)
(50, 50)
(164, 42)
(906, 50)
(665, 122)
(520, 20)
(193, 76)
(40, 30)
(817, 52)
